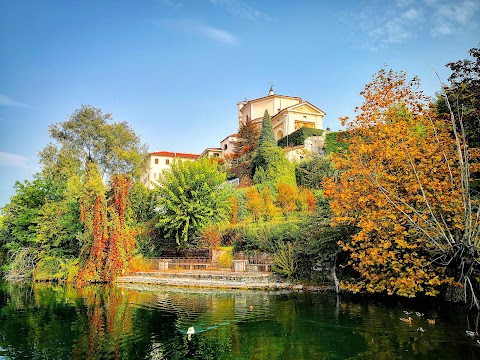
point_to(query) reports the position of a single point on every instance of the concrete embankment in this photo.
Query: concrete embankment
(217, 280)
(254, 281)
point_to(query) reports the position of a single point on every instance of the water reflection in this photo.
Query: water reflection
(107, 322)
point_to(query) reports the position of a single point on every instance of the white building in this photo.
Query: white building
(161, 160)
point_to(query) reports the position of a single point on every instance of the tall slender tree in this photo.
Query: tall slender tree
(269, 165)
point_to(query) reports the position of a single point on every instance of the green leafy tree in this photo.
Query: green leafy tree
(55, 218)
(189, 196)
(317, 250)
(311, 172)
(270, 165)
(269, 209)
(254, 203)
(267, 136)
(463, 95)
(88, 137)
(38, 221)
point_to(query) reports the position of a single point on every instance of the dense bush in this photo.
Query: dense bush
(310, 172)
(264, 237)
(317, 252)
(336, 142)
(54, 268)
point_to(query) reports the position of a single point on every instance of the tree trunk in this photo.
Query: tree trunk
(335, 279)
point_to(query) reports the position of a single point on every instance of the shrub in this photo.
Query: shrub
(284, 262)
(254, 202)
(268, 209)
(53, 268)
(241, 202)
(287, 198)
(138, 263)
(72, 272)
(306, 200)
(225, 258)
(336, 142)
(311, 172)
(23, 263)
(211, 237)
(265, 237)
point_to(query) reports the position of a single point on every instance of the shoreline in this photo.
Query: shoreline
(219, 281)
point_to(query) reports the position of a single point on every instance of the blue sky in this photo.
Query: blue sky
(175, 69)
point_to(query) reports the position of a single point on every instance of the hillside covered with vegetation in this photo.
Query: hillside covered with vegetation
(392, 208)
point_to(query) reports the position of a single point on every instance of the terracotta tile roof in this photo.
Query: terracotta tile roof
(174, 154)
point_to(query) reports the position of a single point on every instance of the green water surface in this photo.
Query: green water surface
(125, 322)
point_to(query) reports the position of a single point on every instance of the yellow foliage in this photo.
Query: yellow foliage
(398, 161)
(225, 258)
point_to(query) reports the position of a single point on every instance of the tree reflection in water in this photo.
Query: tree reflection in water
(47, 321)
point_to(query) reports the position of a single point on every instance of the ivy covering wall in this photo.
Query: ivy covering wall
(298, 137)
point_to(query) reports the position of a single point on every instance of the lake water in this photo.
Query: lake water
(107, 322)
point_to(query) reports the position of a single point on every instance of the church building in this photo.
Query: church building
(288, 113)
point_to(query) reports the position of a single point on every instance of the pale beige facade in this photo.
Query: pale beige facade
(212, 153)
(159, 161)
(228, 144)
(288, 113)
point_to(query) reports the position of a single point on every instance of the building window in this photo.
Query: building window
(225, 147)
(215, 155)
(167, 161)
(156, 161)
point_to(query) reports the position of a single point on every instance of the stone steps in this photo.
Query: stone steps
(209, 275)
(209, 279)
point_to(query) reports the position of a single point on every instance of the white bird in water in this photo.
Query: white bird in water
(407, 312)
(419, 314)
(190, 332)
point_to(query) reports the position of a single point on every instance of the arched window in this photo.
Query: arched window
(279, 134)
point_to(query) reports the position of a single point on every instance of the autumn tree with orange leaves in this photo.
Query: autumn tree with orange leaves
(103, 151)
(402, 183)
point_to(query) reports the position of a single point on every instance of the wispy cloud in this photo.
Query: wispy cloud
(240, 9)
(13, 160)
(407, 19)
(8, 101)
(218, 35)
(449, 17)
(192, 27)
(398, 29)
